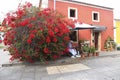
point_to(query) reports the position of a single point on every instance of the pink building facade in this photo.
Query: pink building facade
(99, 16)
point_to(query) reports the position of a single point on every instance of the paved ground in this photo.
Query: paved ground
(104, 67)
(4, 57)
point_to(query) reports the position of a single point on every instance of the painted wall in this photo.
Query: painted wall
(85, 16)
(117, 31)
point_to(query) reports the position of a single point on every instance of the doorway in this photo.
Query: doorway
(96, 40)
(96, 36)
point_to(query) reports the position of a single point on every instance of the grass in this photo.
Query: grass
(2, 46)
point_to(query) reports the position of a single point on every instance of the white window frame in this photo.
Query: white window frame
(76, 13)
(93, 16)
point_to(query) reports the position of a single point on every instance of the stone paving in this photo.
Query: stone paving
(104, 67)
(4, 57)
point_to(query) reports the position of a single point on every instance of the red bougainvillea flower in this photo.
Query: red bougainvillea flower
(46, 50)
(51, 33)
(32, 36)
(33, 31)
(24, 22)
(66, 50)
(41, 29)
(55, 56)
(29, 41)
(20, 13)
(13, 25)
(30, 60)
(28, 4)
(56, 30)
(60, 34)
(54, 39)
(66, 38)
(30, 25)
(32, 18)
(48, 39)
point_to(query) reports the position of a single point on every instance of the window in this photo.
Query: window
(95, 16)
(73, 35)
(72, 13)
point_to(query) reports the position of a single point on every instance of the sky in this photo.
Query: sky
(11, 5)
(107, 3)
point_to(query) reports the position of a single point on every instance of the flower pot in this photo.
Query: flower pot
(82, 56)
(97, 53)
(94, 54)
(85, 54)
(105, 49)
(90, 54)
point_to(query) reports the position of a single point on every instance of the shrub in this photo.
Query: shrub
(118, 48)
(36, 35)
(92, 49)
(86, 49)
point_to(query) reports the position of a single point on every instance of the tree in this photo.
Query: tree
(36, 35)
(40, 3)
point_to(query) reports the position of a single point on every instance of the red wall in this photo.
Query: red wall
(85, 16)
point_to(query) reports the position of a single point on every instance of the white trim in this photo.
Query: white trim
(85, 5)
(93, 39)
(76, 13)
(93, 16)
(99, 42)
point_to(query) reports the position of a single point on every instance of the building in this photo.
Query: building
(99, 16)
(117, 31)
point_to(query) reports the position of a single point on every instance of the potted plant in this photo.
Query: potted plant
(85, 50)
(92, 50)
(97, 52)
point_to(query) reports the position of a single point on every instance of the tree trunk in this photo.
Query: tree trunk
(40, 4)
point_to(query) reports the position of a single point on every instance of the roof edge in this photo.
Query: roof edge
(117, 19)
(88, 4)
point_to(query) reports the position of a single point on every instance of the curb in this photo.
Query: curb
(30, 64)
(63, 61)
(13, 64)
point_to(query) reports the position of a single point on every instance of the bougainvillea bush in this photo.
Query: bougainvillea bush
(36, 35)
